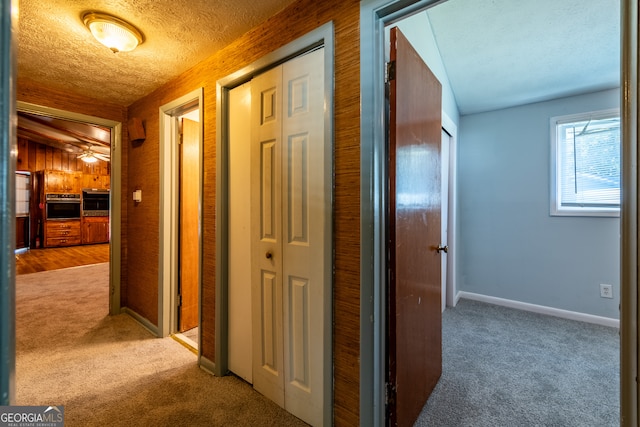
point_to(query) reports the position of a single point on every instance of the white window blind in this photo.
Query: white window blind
(587, 169)
(22, 194)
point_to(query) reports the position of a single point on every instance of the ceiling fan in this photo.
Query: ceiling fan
(90, 156)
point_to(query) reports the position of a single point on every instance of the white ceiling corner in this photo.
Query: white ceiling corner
(501, 53)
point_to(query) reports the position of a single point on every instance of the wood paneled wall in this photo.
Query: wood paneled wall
(35, 93)
(143, 246)
(33, 156)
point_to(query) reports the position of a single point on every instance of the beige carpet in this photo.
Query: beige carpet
(110, 371)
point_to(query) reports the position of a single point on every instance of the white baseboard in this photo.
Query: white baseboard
(457, 298)
(550, 311)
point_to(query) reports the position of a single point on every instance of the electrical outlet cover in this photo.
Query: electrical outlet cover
(606, 291)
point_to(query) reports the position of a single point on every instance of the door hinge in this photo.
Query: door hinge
(390, 71)
(180, 300)
(390, 395)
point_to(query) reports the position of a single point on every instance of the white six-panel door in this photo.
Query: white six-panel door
(266, 244)
(290, 206)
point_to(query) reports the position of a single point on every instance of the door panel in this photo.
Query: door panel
(299, 357)
(266, 212)
(268, 192)
(270, 310)
(291, 169)
(306, 247)
(414, 318)
(239, 242)
(298, 175)
(189, 236)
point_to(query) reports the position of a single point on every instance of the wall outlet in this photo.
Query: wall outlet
(606, 291)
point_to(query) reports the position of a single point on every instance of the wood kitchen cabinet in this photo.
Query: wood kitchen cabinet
(96, 181)
(95, 229)
(62, 181)
(62, 233)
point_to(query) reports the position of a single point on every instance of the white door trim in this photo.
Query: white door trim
(115, 205)
(322, 36)
(450, 127)
(169, 226)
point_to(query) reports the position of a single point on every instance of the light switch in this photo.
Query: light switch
(137, 196)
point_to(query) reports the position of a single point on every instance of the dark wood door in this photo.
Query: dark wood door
(22, 232)
(414, 341)
(189, 233)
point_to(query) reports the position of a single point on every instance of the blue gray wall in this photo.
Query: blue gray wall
(509, 246)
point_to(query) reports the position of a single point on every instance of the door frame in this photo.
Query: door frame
(169, 219)
(115, 204)
(8, 155)
(322, 36)
(629, 215)
(452, 290)
(374, 16)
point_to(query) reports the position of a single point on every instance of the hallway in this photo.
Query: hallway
(109, 370)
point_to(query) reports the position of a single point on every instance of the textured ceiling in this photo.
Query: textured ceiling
(497, 53)
(500, 53)
(56, 49)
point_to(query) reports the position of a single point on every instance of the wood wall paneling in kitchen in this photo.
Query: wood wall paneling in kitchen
(33, 156)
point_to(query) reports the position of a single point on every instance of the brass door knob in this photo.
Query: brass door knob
(442, 248)
(268, 255)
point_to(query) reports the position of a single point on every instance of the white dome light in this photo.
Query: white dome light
(114, 33)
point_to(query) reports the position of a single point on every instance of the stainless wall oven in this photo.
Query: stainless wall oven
(62, 206)
(95, 202)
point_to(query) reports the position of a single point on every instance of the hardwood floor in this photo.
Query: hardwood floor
(36, 260)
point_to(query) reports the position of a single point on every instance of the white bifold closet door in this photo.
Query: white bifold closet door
(290, 235)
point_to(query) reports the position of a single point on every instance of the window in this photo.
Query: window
(585, 164)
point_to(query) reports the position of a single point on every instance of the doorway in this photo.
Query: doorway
(181, 160)
(187, 293)
(375, 15)
(113, 231)
(278, 292)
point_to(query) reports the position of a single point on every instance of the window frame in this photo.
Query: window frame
(556, 209)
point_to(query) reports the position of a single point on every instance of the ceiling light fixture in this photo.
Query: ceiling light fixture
(89, 156)
(114, 33)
